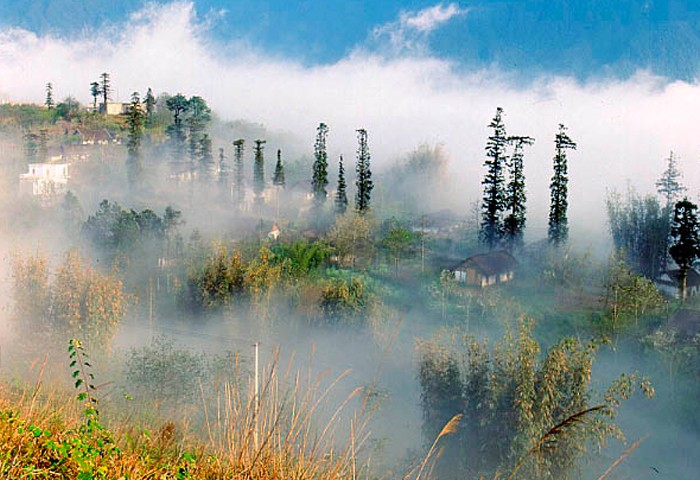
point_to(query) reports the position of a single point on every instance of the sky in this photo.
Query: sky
(621, 74)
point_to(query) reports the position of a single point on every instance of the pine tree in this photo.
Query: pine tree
(494, 199)
(105, 89)
(319, 180)
(223, 171)
(278, 177)
(670, 188)
(239, 178)
(341, 197)
(558, 221)
(669, 185)
(178, 106)
(95, 92)
(205, 159)
(364, 174)
(135, 123)
(199, 115)
(49, 96)
(259, 171)
(150, 102)
(686, 239)
(514, 222)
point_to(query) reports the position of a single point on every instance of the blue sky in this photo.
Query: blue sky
(582, 38)
(620, 74)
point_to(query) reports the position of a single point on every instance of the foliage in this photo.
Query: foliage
(304, 257)
(510, 399)
(363, 180)
(219, 281)
(341, 196)
(205, 159)
(398, 240)
(32, 296)
(135, 121)
(117, 230)
(558, 232)
(239, 174)
(685, 233)
(628, 297)
(493, 201)
(278, 177)
(346, 301)
(79, 302)
(259, 171)
(48, 102)
(178, 106)
(105, 89)
(86, 303)
(669, 185)
(640, 228)
(198, 117)
(351, 238)
(515, 197)
(319, 180)
(162, 373)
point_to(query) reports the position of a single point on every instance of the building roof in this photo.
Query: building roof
(671, 277)
(491, 263)
(685, 322)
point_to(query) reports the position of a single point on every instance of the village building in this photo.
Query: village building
(486, 269)
(669, 283)
(44, 180)
(115, 108)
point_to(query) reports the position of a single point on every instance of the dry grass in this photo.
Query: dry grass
(42, 435)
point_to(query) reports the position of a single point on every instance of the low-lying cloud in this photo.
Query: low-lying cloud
(624, 129)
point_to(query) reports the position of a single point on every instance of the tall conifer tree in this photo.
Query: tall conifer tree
(205, 159)
(135, 124)
(494, 199)
(239, 172)
(94, 92)
(559, 190)
(363, 182)
(224, 171)
(105, 89)
(259, 171)
(278, 177)
(49, 102)
(149, 102)
(319, 180)
(514, 222)
(341, 196)
(669, 186)
(178, 106)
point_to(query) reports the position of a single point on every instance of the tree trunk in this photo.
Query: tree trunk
(683, 277)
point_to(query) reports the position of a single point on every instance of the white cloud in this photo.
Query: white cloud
(409, 34)
(429, 19)
(624, 128)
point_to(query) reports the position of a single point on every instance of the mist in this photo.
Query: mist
(415, 107)
(403, 96)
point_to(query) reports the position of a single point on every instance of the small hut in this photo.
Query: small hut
(486, 269)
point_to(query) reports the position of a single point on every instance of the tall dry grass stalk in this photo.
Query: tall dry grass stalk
(450, 427)
(292, 442)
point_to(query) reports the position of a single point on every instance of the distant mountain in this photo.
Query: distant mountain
(582, 38)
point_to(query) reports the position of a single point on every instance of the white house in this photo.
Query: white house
(486, 269)
(44, 179)
(115, 108)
